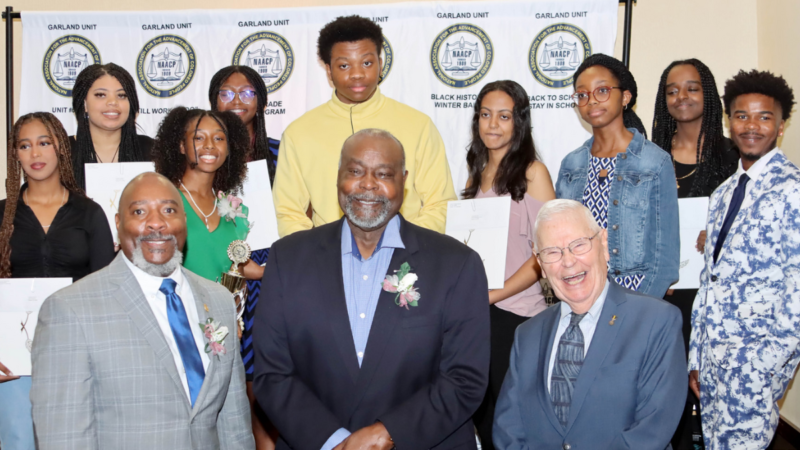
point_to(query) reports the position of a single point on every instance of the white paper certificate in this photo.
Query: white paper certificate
(482, 224)
(693, 213)
(257, 196)
(20, 300)
(105, 182)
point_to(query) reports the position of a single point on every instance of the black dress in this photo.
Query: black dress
(145, 144)
(77, 243)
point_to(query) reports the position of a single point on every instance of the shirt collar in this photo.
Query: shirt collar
(389, 239)
(150, 283)
(758, 167)
(595, 310)
(359, 110)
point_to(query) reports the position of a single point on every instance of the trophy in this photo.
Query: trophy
(238, 252)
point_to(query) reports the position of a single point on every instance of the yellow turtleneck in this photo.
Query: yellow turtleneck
(308, 162)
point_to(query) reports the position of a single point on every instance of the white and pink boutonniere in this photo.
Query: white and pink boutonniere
(403, 285)
(230, 207)
(216, 337)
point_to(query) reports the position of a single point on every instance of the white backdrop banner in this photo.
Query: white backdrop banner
(436, 58)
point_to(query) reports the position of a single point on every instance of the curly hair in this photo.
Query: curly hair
(757, 82)
(57, 133)
(347, 29)
(511, 174)
(626, 83)
(84, 147)
(260, 146)
(172, 131)
(711, 170)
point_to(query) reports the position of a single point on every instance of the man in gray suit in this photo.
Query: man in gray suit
(120, 358)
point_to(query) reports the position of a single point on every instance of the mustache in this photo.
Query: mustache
(156, 237)
(368, 198)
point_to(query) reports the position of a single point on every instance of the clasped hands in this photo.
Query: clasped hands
(373, 437)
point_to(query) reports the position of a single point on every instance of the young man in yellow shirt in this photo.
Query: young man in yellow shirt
(309, 153)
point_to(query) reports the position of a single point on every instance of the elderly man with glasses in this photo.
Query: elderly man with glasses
(604, 369)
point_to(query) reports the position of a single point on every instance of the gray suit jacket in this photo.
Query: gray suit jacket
(104, 377)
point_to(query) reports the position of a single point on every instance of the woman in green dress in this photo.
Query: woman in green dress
(203, 153)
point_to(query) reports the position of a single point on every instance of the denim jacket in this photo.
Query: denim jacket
(643, 229)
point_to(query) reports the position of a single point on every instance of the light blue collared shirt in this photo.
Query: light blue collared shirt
(363, 281)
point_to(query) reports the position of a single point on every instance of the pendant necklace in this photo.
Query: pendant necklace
(205, 217)
(674, 168)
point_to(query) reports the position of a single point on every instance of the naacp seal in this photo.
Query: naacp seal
(387, 55)
(461, 55)
(65, 58)
(556, 53)
(269, 54)
(166, 65)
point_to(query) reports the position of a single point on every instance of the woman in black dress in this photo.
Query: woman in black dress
(105, 104)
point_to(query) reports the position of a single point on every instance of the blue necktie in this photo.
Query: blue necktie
(733, 210)
(184, 338)
(569, 360)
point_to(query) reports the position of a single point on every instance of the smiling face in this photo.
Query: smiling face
(577, 280)
(595, 113)
(206, 148)
(107, 104)
(684, 93)
(37, 152)
(756, 121)
(496, 121)
(354, 70)
(240, 86)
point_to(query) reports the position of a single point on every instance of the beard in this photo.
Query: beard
(157, 270)
(357, 217)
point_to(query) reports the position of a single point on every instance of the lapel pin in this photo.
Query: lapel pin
(206, 308)
(613, 319)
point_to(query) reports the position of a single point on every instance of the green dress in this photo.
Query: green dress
(206, 253)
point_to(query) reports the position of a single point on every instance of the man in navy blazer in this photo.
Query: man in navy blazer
(605, 369)
(372, 332)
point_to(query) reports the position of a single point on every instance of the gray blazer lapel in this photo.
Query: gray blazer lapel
(130, 296)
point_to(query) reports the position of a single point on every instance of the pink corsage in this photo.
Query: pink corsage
(229, 206)
(403, 285)
(216, 337)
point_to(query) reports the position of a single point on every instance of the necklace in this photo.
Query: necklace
(112, 158)
(677, 180)
(205, 217)
(63, 200)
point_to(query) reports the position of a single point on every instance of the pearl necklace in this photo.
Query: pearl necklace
(205, 217)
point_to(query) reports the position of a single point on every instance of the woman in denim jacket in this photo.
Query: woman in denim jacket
(625, 180)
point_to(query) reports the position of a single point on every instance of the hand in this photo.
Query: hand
(694, 382)
(7, 375)
(670, 291)
(373, 437)
(701, 241)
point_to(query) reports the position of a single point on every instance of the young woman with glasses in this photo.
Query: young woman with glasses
(625, 180)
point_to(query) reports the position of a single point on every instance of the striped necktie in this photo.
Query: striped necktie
(569, 360)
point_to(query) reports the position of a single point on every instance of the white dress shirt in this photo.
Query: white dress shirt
(587, 325)
(158, 303)
(754, 171)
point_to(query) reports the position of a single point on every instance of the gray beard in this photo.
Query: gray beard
(156, 270)
(367, 223)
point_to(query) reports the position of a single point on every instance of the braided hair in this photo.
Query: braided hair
(511, 177)
(626, 83)
(84, 147)
(171, 163)
(711, 169)
(260, 147)
(57, 133)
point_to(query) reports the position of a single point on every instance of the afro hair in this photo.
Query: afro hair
(347, 29)
(756, 82)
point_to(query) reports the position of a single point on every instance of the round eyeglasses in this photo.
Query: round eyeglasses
(244, 96)
(577, 247)
(601, 94)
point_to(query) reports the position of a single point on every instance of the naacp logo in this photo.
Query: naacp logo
(387, 55)
(166, 66)
(556, 53)
(270, 55)
(65, 59)
(461, 55)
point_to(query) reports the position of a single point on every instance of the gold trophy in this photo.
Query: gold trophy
(239, 253)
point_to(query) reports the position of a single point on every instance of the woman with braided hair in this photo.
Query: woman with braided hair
(105, 104)
(625, 180)
(49, 229)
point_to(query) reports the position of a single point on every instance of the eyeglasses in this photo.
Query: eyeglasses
(244, 96)
(577, 247)
(601, 94)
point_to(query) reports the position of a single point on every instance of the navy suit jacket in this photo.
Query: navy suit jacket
(629, 394)
(425, 369)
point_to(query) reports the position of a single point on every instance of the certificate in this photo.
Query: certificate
(482, 224)
(105, 182)
(693, 213)
(257, 196)
(20, 300)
